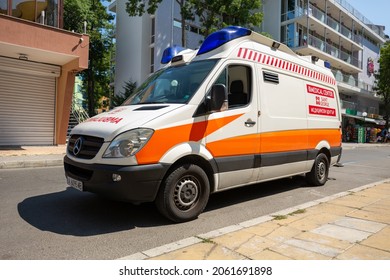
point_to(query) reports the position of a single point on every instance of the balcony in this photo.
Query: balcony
(354, 82)
(326, 51)
(323, 24)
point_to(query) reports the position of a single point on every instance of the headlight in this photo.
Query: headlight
(129, 143)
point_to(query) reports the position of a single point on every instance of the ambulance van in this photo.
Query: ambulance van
(244, 109)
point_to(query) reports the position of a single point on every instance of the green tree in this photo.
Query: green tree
(382, 82)
(99, 27)
(139, 7)
(216, 14)
(129, 88)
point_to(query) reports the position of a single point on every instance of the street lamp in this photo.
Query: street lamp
(364, 114)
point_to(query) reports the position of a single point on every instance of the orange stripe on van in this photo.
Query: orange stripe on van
(235, 146)
(164, 139)
(273, 142)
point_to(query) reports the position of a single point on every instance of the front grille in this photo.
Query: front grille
(88, 146)
(78, 172)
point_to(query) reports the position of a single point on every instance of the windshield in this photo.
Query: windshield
(175, 84)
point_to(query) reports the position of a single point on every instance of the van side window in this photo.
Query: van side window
(238, 81)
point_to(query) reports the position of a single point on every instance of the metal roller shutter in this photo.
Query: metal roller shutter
(27, 113)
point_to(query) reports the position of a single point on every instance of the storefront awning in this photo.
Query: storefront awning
(365, 119)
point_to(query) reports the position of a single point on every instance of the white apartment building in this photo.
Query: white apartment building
(336, 32)
(142, 40)
(330, 29)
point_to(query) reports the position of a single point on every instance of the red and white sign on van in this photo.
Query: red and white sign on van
(316, 110)
(323, 102)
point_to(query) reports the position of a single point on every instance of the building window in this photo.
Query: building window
(189, 27)
(153, 30)
(42, 11)
(4, 7)
(151, 60)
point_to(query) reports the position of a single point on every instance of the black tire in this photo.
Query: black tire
(319, 172)
(184, 193)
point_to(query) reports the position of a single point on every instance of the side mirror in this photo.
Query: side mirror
(217, 99)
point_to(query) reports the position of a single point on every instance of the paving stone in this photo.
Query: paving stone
(314, 247)
(311, 222)
(362, 252)
(255, 245)
(234, 240)
(376, 216)
(380, 240)
(373, 193)
(342, 233)
(297, 253)
(283, 233)
(354, 201)
(325, 240)
(330, 208)
(201, 251)
(269, 255)
(263, 229)
(360, 224)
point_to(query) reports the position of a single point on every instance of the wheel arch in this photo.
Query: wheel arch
(208, 167)
(324, 148)
(195, 153)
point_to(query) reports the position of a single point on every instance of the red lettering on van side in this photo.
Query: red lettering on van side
(320, 91)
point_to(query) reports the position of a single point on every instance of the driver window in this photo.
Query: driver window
(237, 79)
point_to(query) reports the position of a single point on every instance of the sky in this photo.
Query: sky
(377, 11)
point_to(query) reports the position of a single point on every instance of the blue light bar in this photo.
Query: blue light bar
(221, 37)
(327, 64)
(169, 53)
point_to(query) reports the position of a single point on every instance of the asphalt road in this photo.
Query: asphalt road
(40, 218)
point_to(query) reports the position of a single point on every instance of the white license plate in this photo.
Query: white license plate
(78, 185)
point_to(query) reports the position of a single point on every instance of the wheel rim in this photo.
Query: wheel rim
(321, 171)
(186, 192)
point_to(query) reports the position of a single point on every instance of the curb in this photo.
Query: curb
(31, 162)
(167, 248)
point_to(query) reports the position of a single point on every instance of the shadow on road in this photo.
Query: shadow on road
(84, 214)
(70, 212)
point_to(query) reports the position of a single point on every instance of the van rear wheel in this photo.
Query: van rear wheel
(184, 194)
(319, 172)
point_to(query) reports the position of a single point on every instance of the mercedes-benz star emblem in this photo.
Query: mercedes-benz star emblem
(77, 146)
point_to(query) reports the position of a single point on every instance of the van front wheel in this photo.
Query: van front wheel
(184, 194)
(319, 172)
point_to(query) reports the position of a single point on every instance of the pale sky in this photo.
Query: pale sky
(377, 11)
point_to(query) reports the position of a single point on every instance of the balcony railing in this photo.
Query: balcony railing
(346, 32)
(352, 81)
(362, 18)
(334, 24)
(333, 51)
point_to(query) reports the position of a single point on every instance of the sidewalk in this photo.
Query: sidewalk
(31, 156)
(353, 225)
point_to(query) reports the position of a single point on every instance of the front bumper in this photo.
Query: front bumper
(139, 183)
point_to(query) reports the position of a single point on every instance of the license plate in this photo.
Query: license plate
(78, 185)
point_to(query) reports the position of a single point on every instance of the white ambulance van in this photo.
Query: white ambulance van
(244, 110)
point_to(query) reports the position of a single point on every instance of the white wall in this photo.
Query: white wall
(132, 48)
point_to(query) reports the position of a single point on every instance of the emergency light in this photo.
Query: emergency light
(221, 37)
(169, 53)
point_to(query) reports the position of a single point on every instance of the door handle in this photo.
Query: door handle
(250, 123)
